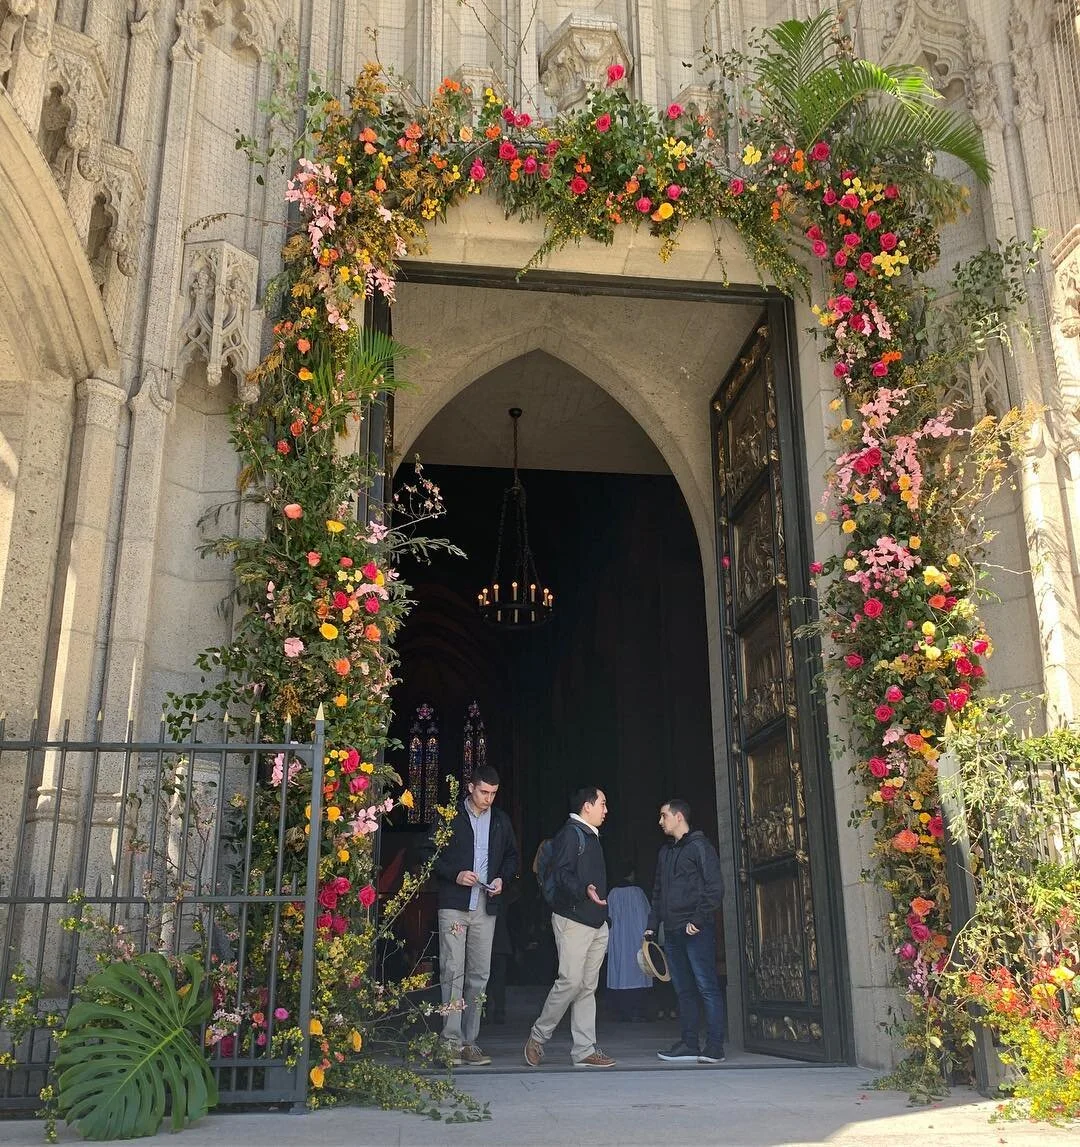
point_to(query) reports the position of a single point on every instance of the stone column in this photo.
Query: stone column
(26, 79)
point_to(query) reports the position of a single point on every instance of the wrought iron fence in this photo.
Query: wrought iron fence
(152, 845)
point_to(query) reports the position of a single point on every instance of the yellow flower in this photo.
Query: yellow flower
(873, 493)
(904, 481)
(304, 374)
(924, 818)
(341, 700)
(836, 402)
(931, 653)
(407, 799)
(346, 613)
(328, 631)
(182, 992)
(334, 526)
(750, 155)
(664, 211)
(333, 813)
(850, 564)
(914, 542)
(846, 424)
(316, 1075)
(367, 767)
(849, 526)
(821, 517)
(356, 1039)
(343, 855)
(929, 629)
(307, 811)
(1062, 976)
(858, 497)
(953, 560)
(315, 1027)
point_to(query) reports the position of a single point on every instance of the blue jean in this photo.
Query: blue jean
(692, 960)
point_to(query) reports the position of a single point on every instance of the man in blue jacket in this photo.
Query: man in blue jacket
(471, 873)
(579, 921)
(688, 890)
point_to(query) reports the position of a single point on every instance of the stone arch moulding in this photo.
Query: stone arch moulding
(601, 373)
(52, 319)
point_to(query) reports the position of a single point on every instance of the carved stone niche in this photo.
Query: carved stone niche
(932, 32)
(478, 77)
(13, 15)
(123, 191)
(578, 55)
(221, 323)
(76, 89)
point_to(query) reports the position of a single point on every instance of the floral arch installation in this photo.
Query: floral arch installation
(833, 172)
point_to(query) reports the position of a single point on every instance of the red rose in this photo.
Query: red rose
(829, 198)
(737, 187)
(851, 239)
(879, 369)
(813, 232)
(530, 164)
(884, 713)
(578, 186)
(339, 925)
(603, 123)
(523, 119)
(878, 767)
(888, 241)
(341, 885)
(820, 248)
(887, 793)
(371, 605)
(853, 660)
(552, 147)
(507, 151)
(820, 151)
(341, 600)
(674, 191)
(872, 607)
(849, 201)
(840, 370)
(958, 698)
(366, 896)
(919, 932)
(283, 447)
(938, 705)
(781, 155)
(873, 220)
(674, 111)
(545, 171)
(936, 826)
(894, 693)
(328, 897)
(508, 115)
(963, 667)
(352, 761)
(816, 567)
(615, 73)
(873, 456)
(370, 570)
(866, 261)
(891, 192)
(861, 465)
(979, 646)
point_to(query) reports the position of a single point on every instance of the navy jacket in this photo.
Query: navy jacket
(689, 886)
(459, 854)
(574, 873)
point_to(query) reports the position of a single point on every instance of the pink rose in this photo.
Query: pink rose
(782, 154)
(578, 186)
(736, 186)
(878, 767)
(891, 192)
(478, 172)
(872, 607)
(840, 370)
(938, 705)
(820, 151)
(813, 232)
(674, 111)
(851, 239)
(849, 201)
(840, 258)
(345, 563)
(844, 303)
(366, 896)
(884, 713)
(873, 220)
(894, 693)
(328, 897)
(530, 164)
(887, 793)
(936, 827)
(313, 558)
(979, 646)
(340, 885)
(866, 261)
(816, 567)
(958, 698)
(879, 369)
(523, 119)
(644, 205)
(850, 279)
(907, 951)
(507, 151)
(674, 191)
(615, 73)
(820, 248)
(552, 148)
(338, 925)
(853, 660)
(964, 667)
(829, 198)
(358, 784)
(888, 241)
(370, 570)
(603, 123)
(293, 647)
(545, 171)
(281, 1014)
(508, 115)
(293, 511)
(919, 932)
(323, 920)
(873, 456)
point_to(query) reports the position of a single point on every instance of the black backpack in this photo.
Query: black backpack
(545, 869)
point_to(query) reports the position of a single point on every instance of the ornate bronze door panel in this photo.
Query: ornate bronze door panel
(788, 907)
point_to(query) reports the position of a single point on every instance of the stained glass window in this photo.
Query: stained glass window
(473, 743)
(423, 764)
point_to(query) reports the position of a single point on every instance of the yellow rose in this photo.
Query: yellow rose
(849, 526)
(316, 1075)
(356, 1039)
(333, 813)
(904, 482)
(836, 402)
(407, 799)
(367, 767)
(821, 517)
(914, 542)
(931, 653)
(304, 374)
(343, 855)
(341, 700)
(846, 424)
(334, 526)
(873, 493)
(315, 1027)
(328, 631)
(953, 560)
(664, 211)
(929, 629)
(850, 564)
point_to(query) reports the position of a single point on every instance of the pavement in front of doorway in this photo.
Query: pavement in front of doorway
(714, 1107)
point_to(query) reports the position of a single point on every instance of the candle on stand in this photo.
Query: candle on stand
(532, 592)
(495, 588)
(513, 588)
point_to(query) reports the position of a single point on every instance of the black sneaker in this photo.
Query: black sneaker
(680, 1053)
(712, 1055)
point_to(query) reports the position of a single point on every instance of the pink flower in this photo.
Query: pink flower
(345, 563)
(829, 198)
(578, 186)
(522, 119)
(615, 73)
(891, 192)
(938, 705)
(844, 303)
(873, 220)
(879, 369)
(674, 111)
(820, 151)
(782, 155)
(370, 570)
(816, 567)
(281, 1014)
(293, 647)
(674, 191)
(878, 767)
(849, 201)
(840, 370)
(919, 932)
(358, 784)
(853, 660)
(936, 827)
(644, 205)
(907, 951)
(851, 239)
(313, 558)
(366, 896)
(964, 667)
(603, 123)
(478, 172)
(958, 698)
(894, 693)
(820, 248)
(552, 148)
(545, 171)
(371, 605)
(840, 258)
(850, 279)
(508, 115)
(293, 511)
(866, 261)
(888, 241)
(872, 607)
(338, 925)
(979, 646)
(507, 151)
(736, 186)
(884, 713)
(530, 164)
(887, 793)
(813, 232)
(323, 920)
(340, 885)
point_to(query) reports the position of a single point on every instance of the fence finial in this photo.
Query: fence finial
(320, 715)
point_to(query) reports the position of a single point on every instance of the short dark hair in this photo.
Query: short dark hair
(678, 805)
(484, 775)
(582, 797)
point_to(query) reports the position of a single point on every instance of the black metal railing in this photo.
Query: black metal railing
(155, 845)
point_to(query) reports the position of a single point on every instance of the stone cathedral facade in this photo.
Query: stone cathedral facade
(136, 245)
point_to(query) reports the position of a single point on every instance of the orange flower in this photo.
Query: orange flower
(296, 428)
(322, 610)
(798, 164)
(380, 184)
(891, 356)
(345, 198)
(372, 632)
(937, 601)
(342, 666)
(414, 131)
(913, 741)
(921, 906)
(370, 149)
(492, 131)
(368, 135)
(631, 186)
(905, 841)
(303, 345)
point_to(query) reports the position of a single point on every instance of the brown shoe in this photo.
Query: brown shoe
(471, 1056)
(534, 1052)
(597, 1059)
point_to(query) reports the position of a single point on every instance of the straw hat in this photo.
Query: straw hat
(651, 960)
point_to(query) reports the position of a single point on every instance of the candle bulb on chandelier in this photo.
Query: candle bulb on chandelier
(513, 590)
(532, 591)
(495, 590)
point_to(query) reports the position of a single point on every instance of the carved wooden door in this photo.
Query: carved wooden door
(788, 903)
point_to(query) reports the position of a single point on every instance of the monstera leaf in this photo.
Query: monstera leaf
(129, 1047)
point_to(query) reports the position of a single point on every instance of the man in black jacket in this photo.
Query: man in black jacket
(579, 921)
(688, 890)
(471, 873)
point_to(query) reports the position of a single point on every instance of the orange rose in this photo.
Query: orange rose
(905, 841)
(372, 632)
(342, 666)
(921, 906)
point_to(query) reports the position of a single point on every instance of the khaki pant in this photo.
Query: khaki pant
(464, 965)
(581, 952)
